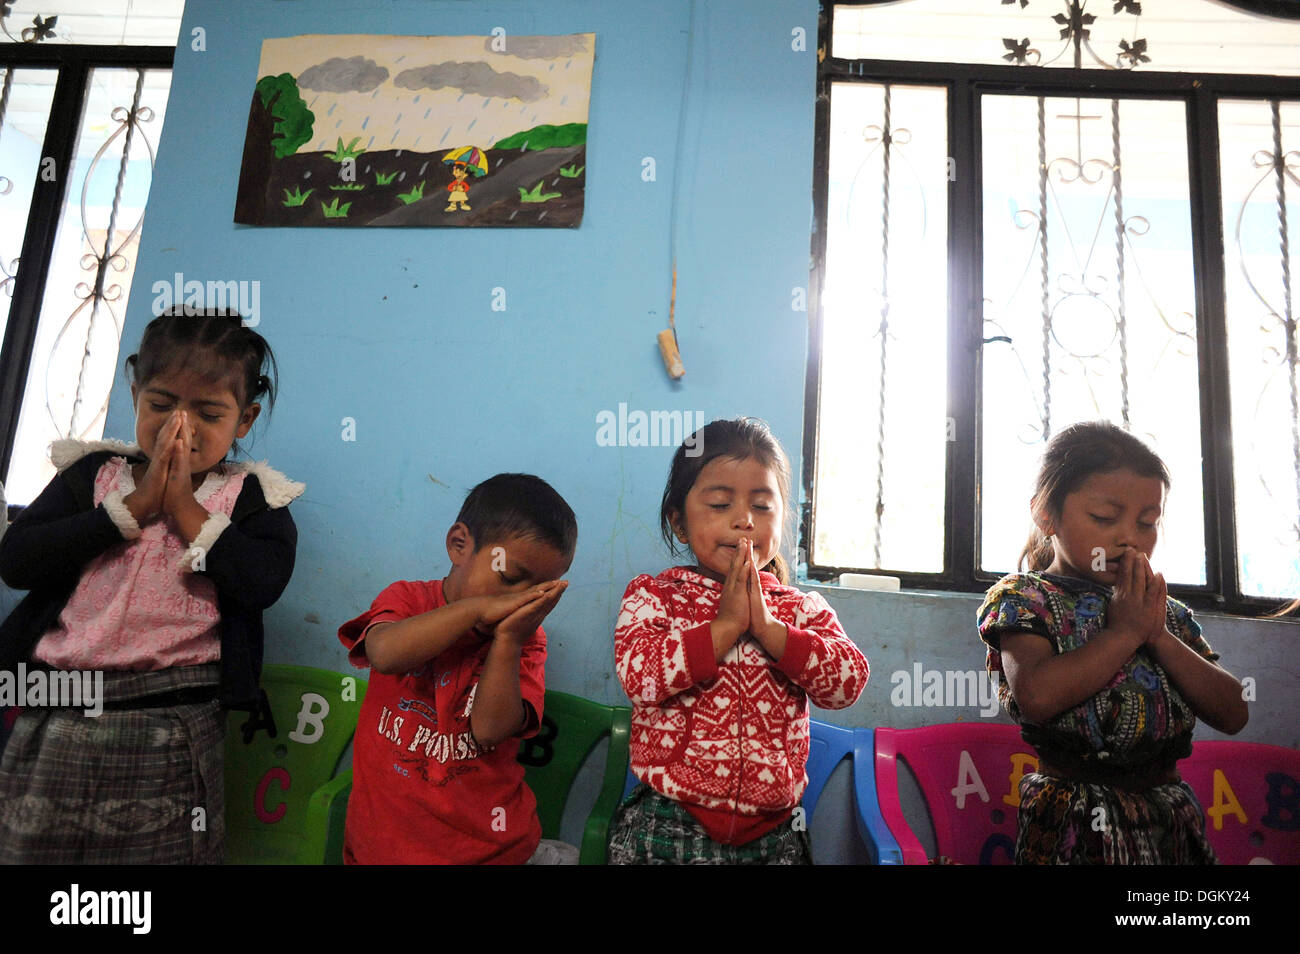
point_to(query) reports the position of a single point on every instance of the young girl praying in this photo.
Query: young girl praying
(1104, 672)
(720, 660)
(151, 564)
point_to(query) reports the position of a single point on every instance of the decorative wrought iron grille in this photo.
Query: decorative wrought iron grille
(1095, 303)
(883, 311)
(81, 135)
(1259, 208)
(1085, 277)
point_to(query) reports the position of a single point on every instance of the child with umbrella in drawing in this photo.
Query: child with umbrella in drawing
(458, 189)
(463, 161)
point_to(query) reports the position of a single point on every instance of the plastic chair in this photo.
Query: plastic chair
(629, 783)
(1251, 796)
(969, 774)
(871, 822)
(828, 746)
(284, 804)
(571, 728)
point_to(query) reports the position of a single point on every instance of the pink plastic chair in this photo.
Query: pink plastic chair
(969, 774)
(1251, 796)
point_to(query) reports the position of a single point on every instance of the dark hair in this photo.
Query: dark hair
(1074, 455)
(519, 505)
(738, 439)
(216, 344)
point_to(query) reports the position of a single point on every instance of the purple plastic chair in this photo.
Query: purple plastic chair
(1251, 796)
(969, 774)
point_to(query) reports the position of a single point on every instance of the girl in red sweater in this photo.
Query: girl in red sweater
(720, 660)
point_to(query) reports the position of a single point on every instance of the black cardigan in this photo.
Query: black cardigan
(46, 548)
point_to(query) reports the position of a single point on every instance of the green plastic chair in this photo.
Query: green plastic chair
(571, 728)
(284, 803)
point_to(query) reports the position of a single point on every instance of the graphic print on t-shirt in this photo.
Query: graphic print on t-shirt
(413, 731)
(420, 707)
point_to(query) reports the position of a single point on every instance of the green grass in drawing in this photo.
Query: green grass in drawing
(536, 195)
(415, 195)
(572, 172)
(349, 187)
(297, 197)
(381, 179)
(547, 137)
(350, 151)
(334, 210)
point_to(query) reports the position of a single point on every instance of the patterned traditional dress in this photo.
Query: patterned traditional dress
(1117, 747)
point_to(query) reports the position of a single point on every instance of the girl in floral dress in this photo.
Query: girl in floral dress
(1104, 672)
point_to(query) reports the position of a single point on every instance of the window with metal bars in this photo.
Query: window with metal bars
(1073, 225)
(78, 126)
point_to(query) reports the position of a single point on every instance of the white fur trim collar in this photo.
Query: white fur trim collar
(278, 489)
(67, 451)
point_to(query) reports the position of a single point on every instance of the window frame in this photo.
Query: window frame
(965, 83)
(74, 63)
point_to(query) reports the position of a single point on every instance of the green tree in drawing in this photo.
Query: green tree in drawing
(293, 120)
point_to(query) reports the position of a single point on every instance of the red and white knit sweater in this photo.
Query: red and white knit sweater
(729, 741)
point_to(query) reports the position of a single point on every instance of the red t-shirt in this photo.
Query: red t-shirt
(423, 792)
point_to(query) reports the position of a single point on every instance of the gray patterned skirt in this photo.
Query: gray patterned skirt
(131, 786)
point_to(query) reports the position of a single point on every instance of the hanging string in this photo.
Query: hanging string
(677, 165)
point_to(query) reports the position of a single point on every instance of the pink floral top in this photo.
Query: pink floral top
(137, 606)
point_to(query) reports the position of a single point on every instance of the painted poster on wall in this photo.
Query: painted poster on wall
(459, 131)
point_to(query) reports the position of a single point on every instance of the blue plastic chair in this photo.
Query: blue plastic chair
(871, 822)
(828, 746)
(631, 783)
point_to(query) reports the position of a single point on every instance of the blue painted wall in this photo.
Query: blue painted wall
(395, 329)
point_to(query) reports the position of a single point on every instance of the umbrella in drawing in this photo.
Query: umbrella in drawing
(400, 130)
(472, 156)
(463, 160)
